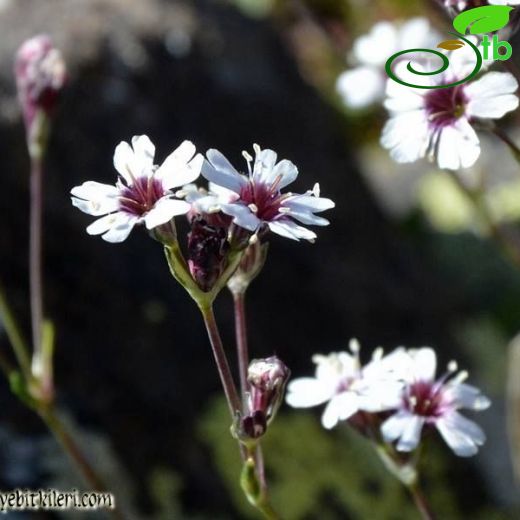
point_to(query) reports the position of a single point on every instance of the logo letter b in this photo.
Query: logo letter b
(496, 49)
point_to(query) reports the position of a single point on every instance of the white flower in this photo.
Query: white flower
(365, 84)
(437, 123)
(255, 200)
(347, 387)
(142, 192)
(427, 402)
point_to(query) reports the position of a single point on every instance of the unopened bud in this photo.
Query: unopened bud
(40, 77)
(207, 252)
(267, 379)
(250, 266)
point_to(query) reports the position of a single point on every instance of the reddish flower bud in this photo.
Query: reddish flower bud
(267, 379)
(40, 76)
(207, 251)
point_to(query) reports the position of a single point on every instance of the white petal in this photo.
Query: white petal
(378, 396)
(93, 190)
(415, 33)
(121, 228)
(305, 392)
(411, 434)
(406, 136)
(242, 216)
(458, 146)
(182, 154)
(102, 225)
(287, 172)
(394, 426)
(424, 364)
(124, 160)
(309, 218)
(331, 414)
(361, 87)
(264, 165)
(466, 427)
(164, 210)
(490, 85)
(493, 108)
(219, 170)
(461, 444)
(467, 396)
(144, 152)
(289, 229)
(367, 48)
(347, 404)
(95, 198)
(174, 173)
(308, 203)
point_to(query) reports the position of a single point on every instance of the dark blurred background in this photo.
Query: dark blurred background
(134, 370)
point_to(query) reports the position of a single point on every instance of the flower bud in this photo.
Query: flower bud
(250, 266)
(207, 252)
(40, 77)
(267, 379)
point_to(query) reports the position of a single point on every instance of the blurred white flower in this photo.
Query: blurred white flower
(365, 84)
(457, 6)
(255, 200)
(434, 403)
(346, 387)
(142, 192)
(437, 123)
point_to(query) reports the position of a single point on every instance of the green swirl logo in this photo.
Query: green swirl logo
(480, 20)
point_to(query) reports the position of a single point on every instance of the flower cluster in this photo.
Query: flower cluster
(402, 384)
(253, 202)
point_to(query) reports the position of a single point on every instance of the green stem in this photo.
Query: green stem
(256, 494)
(241, 339)
(14, 335)
(35, 251)
(224, 371)
(420, 502)
(66, 440)
(406, 473)
(505, 241)
(508, 141)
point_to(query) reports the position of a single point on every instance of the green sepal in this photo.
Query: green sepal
(19, 388)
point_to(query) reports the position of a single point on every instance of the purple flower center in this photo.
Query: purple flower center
(445, 105)
(265, 198)
(141, 196)
(425, 399)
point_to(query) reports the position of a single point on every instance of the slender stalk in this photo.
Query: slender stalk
(510, 247)
(260, 467)
(224, 371)
(243, 363)
(35, 251)
(515, 149)
(14, 335)
(421, 502)
(66, 440)
(241, 339)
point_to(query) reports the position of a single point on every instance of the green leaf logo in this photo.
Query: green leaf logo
(450, 45)
(489, 18)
